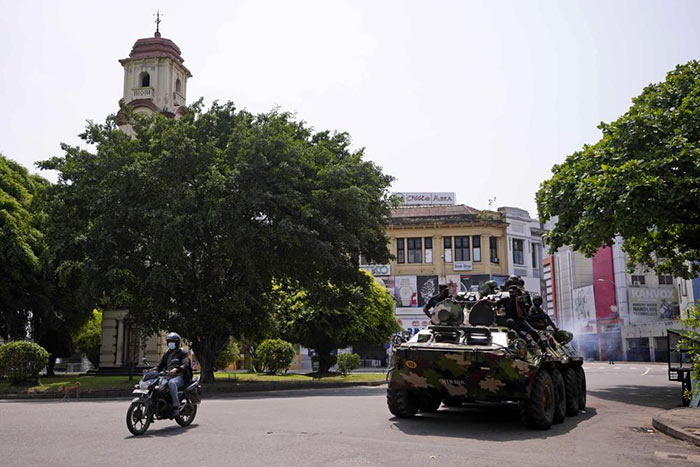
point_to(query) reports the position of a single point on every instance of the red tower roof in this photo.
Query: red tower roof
(155, 47)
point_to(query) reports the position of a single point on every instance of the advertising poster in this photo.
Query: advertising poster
(650, 304)
(387, 282)
(412, 323)
(454, 285)
(427, 287)
(584, 310)
(471, 282)
(405, 291)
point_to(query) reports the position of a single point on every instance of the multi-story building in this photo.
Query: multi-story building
(609, 309)
(455, 245)
(524, 239)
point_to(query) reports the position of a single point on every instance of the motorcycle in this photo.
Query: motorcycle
(152, 401)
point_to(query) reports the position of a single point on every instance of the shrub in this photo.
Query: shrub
(275, 354)
(88, 340)
(228, 354)
(21, 361)
(348, 362)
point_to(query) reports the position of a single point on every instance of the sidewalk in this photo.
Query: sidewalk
(682, 423)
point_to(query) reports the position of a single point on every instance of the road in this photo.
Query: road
(352, 427)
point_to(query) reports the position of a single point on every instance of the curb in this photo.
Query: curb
(235, 388)
(672, 430)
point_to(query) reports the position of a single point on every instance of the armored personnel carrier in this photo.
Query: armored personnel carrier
(470, 354)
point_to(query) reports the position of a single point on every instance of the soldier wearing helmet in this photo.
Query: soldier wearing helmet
(176, 360)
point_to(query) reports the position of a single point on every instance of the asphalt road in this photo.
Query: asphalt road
(352, 426)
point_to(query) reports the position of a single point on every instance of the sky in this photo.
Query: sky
(480, 98)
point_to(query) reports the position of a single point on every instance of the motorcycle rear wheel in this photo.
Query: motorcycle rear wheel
(187, 413)
(138, 418)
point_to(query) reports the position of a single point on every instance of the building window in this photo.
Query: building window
(145, 79)
(476, 247)
(638, 280)
(428, 242)
(665, 279)
(400, 251)
(493, 249)
(178, 85)
(533, 247)
(447, 242)
(462, 249)
(415, 253)
(518, 251)
(684, 288)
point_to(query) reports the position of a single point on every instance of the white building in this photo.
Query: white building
(524, 239)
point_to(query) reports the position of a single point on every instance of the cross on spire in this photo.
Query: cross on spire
(158, 14)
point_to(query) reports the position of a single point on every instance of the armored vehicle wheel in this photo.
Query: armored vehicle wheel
(400, 404)
(572, 390)
(581, 375)
(430, 403)
(560, 392)
(538, 410)
(452, 402)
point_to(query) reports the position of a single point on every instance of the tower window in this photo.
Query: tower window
(178, 85)
(145, 79)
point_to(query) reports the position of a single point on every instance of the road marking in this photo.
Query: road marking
(648, 370)
(633, 368)
(677, 457)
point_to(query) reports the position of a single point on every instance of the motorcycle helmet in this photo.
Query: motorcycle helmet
(175, 338)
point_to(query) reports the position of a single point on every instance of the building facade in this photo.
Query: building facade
(454, 245)
(524, 239)
(611, 311)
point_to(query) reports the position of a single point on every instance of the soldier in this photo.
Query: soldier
(443, 294)
(515, 306)
(537, 316)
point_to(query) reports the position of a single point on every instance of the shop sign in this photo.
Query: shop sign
(425, 198)
(463, 266)
(377, 269)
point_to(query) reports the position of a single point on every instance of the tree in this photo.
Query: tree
(228, 355)
(187, 221)
(35, 297)
(275, 355)
(332, 316)
(21, 247)
(640, 181)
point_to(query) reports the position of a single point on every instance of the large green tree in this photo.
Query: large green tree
(187, 221)
(332, 316)
(640, 181)
(21, 247)
(35, 298)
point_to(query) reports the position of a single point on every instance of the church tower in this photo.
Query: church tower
(155, 79)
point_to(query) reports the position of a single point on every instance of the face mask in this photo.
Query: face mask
(171, 345)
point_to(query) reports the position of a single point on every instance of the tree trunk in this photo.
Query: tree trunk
(325, 360)
(206, 356)
(51, 365)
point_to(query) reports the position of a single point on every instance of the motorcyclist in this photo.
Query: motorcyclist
(176, 360)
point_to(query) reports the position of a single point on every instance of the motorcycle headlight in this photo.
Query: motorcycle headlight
(145, 384)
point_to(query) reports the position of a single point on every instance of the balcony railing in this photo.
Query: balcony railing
(143, 93)
(178, 99)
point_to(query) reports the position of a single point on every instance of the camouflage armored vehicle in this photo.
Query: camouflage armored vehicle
(470, 355)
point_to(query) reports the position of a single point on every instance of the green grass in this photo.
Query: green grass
(92, 383)
(87, 383)
(294, 377)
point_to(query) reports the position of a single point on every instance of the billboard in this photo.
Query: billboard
(406, 291)
(650, 304)
(584, 310)
(425, 198)
(427, 286)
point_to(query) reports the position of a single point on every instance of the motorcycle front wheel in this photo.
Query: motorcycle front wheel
(187, 414)
(137, 418)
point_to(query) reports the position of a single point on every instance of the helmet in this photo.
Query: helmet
(173, 337)
(537, 300)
